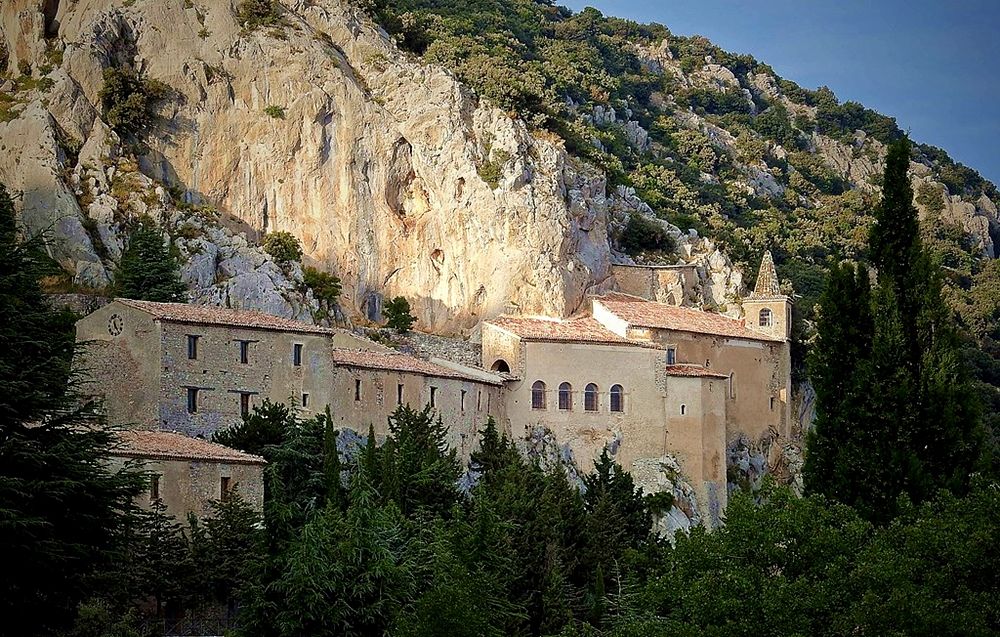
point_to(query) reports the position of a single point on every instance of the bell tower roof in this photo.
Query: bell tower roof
(767, 280)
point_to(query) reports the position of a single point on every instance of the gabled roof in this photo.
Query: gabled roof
(685, 369)
(212, 315)
(399, 362)
(168, 445)
(578, 330)
(639, 312)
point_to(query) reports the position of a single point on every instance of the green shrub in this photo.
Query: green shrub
(283, 247)
(277, 112)
(129, 100)
(491, 170)
(325, 286)
(397, 315)
(642, 234)
(252, 14)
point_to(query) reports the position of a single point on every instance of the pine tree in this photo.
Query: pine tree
(397, 315)
(335, 495)
(147, 271)
(63, 510)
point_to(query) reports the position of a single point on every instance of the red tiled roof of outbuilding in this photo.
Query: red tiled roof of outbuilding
(639, 312)
(396, 361)
(579, 330)
(213, 315)
(684, 369)
(169, 445)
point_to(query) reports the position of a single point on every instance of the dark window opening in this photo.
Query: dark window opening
(683, 409)
(225, 486)
(708, 363)
(244, 404)
(192, 400)
(479, 400)
(771, 403)
(399, 394)
(297, 355)
(463, 400)
(154, 487)
(766, 318)
(565, 396)
(357, 389)
(305, 400)
(244, 352)
(500, 365)
(671, 355)
(590, 397)
(433, 394)
(192, 341)
(538, 395)
(617, 398)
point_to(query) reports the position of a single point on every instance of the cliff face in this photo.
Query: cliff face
(374, 164)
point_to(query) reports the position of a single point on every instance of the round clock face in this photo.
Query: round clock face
(115, 325)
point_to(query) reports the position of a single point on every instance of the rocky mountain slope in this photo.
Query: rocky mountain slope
(474, 158)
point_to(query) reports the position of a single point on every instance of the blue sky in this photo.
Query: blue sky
(933, 65)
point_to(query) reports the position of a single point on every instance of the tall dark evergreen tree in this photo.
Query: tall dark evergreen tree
(63, 511)
(147, 270)
(895, 410)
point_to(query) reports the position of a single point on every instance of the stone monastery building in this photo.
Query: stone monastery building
(645, 378)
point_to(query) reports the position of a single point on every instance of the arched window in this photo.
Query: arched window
(617, 398)
(501, 366)
(538, 395)
(766, 318)
(565, 396)
(590, 397)
(684, 409)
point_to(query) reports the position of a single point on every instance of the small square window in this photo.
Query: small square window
(297, 355)
(192, 400)
(192, 342)
(305, 400)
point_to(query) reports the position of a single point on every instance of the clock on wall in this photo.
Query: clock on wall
(115, 325)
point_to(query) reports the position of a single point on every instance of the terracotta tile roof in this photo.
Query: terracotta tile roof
(396, 361)
(682, 369)
(579, 330)
(168, 445)
(212, 315)
(642, 313)
(767, 280)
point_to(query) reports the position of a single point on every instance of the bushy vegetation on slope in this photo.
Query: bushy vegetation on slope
(561, 71)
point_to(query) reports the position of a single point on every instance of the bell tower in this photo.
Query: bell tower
(767, 310)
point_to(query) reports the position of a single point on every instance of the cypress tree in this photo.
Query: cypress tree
(895, 410)
(147, 270)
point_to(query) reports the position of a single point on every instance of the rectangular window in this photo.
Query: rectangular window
(244, 403)
(357, 389)
(305, 400)
(399, 394)
(244, 352)
(433, 394)
(463, 400)
(479, 400)
(671, 356)
(297, 355)
(154, 487)
(192, 400)
(192, 346)
(225, 484)
(772, 403)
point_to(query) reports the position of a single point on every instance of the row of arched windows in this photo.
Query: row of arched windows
(591, 396)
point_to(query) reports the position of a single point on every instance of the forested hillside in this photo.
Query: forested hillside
(716, 142)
